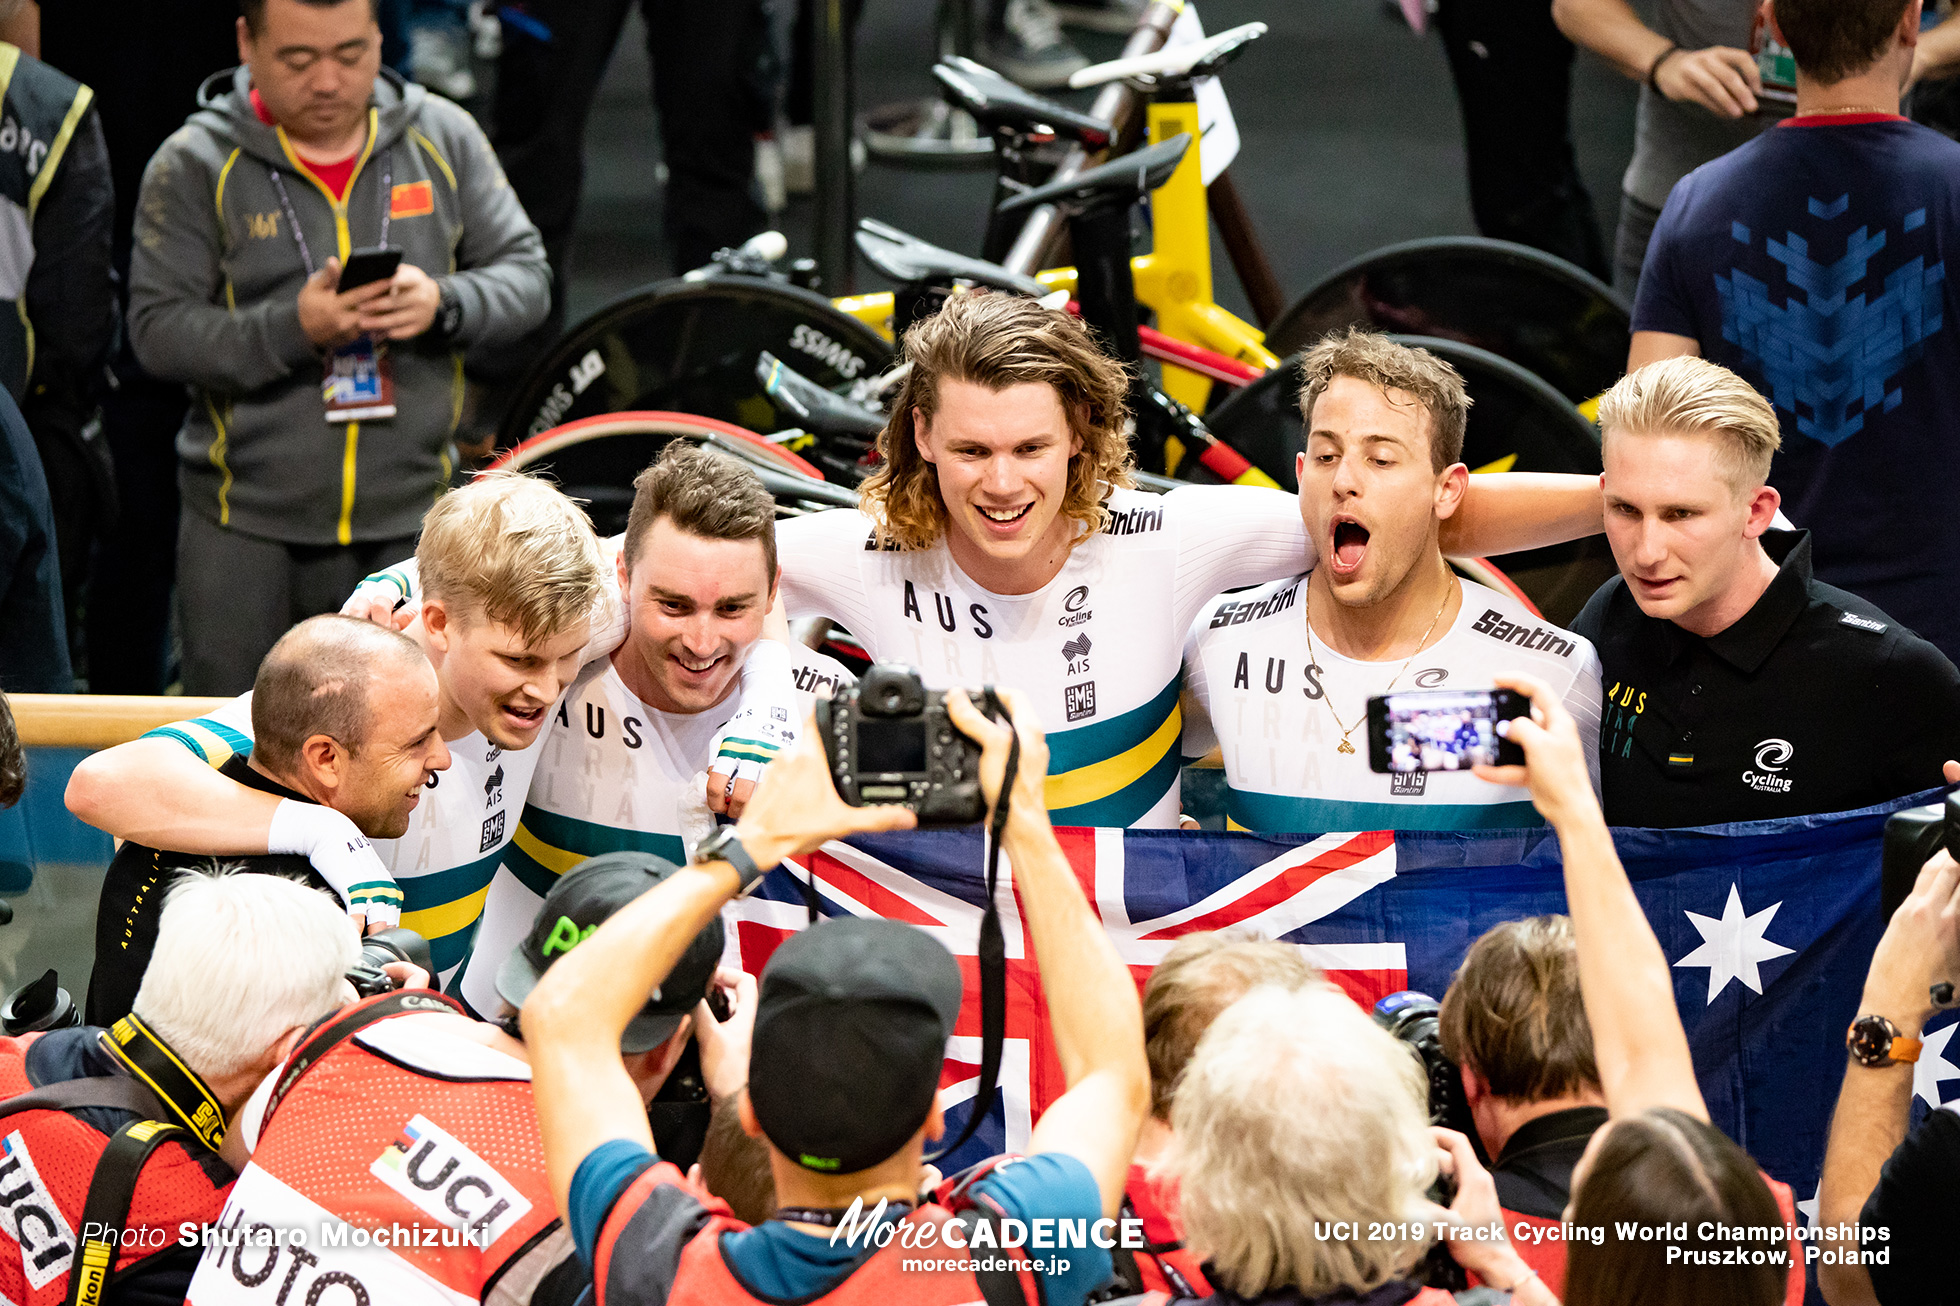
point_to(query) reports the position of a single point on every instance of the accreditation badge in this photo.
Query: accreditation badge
(359, 385)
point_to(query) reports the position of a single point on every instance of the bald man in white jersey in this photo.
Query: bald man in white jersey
(1280, 676)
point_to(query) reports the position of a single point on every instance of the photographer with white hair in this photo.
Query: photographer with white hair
(116, 1138)
(1304, 1154)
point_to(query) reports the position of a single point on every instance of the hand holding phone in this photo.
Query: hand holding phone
(365, 266)
(1442, 730)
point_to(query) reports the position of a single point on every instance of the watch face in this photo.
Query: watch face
(1870, 1040)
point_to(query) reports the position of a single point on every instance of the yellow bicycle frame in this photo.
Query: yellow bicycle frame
(1173, 280)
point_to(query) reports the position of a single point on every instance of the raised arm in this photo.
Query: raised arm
(1623, 974)
(1921, 947)
(1512, 511)
(574, 1018)
(1093, 1010)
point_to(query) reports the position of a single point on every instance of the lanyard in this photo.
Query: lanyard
(292, 218)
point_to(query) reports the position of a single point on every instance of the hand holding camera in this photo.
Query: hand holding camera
(1920, 949)
(796, 808)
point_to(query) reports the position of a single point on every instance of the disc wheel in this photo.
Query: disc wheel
(1517, 423)
(1523, 304)
(690, 347)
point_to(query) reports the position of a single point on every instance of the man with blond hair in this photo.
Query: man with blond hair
(1738, 687)
(1279, 677)
(511, 574)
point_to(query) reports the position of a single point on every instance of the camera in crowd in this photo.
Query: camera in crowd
(1416, 1019)
(890, 740)
(383, 948)
(1912, 836)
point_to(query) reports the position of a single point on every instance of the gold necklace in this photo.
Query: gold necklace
(1326, 695)
(1843, 108)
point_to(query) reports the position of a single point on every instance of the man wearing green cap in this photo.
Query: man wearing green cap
(843, 1076)
(404, 1113)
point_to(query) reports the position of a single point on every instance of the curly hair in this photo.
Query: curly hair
(997, 341)
(1372, 357)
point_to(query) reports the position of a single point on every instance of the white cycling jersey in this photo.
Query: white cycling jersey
(456, 834)
(1257, 696)
(613, 775)
(1097, 649)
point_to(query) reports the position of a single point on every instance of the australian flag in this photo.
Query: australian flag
(1769, 927)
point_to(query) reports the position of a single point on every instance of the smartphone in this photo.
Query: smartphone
(1442, 729)
(365, 265)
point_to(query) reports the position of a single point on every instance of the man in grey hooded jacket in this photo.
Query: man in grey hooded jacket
(297, 478)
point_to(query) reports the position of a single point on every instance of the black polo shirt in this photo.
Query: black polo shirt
(1815, 701)
(132, 899)
(1534, 1174)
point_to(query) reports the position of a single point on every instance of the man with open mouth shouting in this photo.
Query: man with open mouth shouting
(1280, 676)
(510, 572)
(1003, 542)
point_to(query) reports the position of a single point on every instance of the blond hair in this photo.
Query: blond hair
(1199, 977)
(1690, 395)
(1298, 1111)
(511, 548)
(997, 341)
(1372, 357)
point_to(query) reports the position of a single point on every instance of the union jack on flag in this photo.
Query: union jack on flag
(1769, 928)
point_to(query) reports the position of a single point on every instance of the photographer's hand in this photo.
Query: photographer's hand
(1476, 1208)
(1031, 773)
(1555, 769)
(724, 1044)
(795, 807)
(1920, 948)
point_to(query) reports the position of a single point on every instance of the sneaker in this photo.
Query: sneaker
(1029, 48)
(1119, 17)
(439, 58)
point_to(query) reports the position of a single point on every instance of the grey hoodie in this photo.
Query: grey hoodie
(214, 302)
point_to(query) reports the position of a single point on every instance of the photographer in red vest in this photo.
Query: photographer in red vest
(128, 1127)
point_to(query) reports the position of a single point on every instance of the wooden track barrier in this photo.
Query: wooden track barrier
(98, 720)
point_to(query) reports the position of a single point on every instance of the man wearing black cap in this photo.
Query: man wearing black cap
(404, 1112)
(845, 1061)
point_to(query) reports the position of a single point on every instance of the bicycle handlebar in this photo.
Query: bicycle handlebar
(1200, 60)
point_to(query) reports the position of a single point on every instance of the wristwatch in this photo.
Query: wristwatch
(449, 313)
(1876, 1042)
(724, 846)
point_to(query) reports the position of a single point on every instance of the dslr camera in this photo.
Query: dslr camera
(1416, 1019)
(890, 740)
(1912, 836)
(381, 948)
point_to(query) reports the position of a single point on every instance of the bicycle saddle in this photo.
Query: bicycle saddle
(1175, 63)
(1123, 180)
(905, 258)
(1000, 105)
(816, 408)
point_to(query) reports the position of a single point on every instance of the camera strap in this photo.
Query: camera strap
(993, 945)
(136, 1047)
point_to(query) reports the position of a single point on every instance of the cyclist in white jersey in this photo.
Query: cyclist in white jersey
(620, 767)
(1001, 543)
(512, 576)
(1379, 477)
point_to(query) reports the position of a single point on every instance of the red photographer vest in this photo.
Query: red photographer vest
(1164, 1263)
(47, 1160)
(702, 1277)
(406, 1153)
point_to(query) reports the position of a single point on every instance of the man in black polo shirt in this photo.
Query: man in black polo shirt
(344, 716)
(1737, 687)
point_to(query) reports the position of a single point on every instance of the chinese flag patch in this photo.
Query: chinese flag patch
(411, 200)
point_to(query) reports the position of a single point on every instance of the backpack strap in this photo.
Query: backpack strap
(118, 1092)
(106, 1211)
(402, 1002)
(998, 1286)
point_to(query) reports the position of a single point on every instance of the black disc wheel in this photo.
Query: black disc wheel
(1517, 423)
(1519, 303)
(691, 346)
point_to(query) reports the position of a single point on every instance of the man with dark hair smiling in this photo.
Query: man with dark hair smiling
(1814, 261)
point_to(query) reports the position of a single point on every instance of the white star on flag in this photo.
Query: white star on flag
(1933, 1069)
(1808, 1210)
(1733, 946)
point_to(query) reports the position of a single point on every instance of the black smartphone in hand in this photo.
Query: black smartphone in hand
(1442, 729)
(364, 266)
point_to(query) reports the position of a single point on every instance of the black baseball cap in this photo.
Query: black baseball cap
(850, 1033)
(583, 898)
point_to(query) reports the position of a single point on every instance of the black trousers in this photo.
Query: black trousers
(713, 88)
(1513, 74)
(136, 563)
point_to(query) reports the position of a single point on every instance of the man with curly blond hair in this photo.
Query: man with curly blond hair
(1003, 541)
